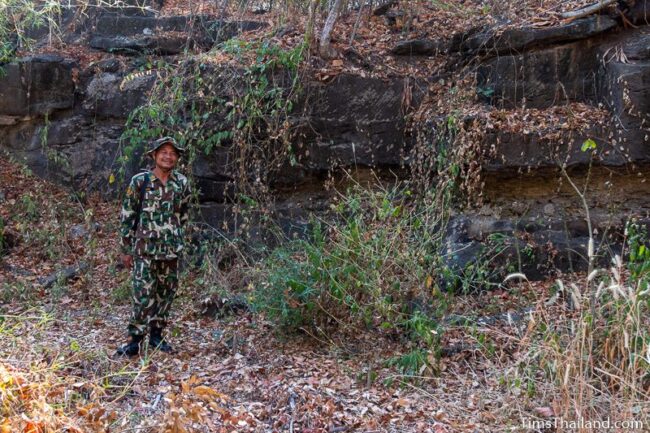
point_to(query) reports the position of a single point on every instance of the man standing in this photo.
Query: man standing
(154, 213)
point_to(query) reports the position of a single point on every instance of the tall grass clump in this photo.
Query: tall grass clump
(371, 268)
(592, 352)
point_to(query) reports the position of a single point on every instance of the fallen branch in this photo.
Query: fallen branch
(417, 47)
(588, 10)
(64, 275)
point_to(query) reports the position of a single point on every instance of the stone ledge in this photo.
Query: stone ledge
(36, 86)
(517, 40)
(164, 35)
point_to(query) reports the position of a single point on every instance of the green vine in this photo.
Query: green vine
(242, 108)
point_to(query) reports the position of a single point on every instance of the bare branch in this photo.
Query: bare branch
(596, 7)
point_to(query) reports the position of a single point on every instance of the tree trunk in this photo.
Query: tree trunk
(325, 49)
(356, 24)
(309, 32)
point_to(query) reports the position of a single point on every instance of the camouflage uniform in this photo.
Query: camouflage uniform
(155, 245)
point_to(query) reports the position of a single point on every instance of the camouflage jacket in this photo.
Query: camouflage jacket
(164, 212)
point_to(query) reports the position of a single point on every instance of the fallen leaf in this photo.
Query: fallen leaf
(546, 412)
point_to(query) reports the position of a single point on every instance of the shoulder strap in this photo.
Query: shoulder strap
(143, 189)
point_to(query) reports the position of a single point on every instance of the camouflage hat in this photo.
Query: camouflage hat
(158, 144)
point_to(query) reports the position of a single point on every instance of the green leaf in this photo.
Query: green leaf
(588, 144)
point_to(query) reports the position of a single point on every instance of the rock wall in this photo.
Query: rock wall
(528, 203)
(65, 120)
(52, 110)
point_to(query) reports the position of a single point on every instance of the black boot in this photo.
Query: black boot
(132, 348)
(156, 341)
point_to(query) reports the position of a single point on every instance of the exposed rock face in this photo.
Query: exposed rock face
(533, 221)
(213, 175)
(511, 41)
(418, 47)
(640, 12)
(529, 209)
(513, 152)
(626, 90)
(75, 150)
(35, 86)
(163, 35)
(584, 71)
(541, 79)
(614, 73)
(530, 218)
(112, 95)
(356, 121)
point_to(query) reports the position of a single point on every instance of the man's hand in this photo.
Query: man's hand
(127, 260)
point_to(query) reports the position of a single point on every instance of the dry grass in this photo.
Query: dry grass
(585, 353)
(48, 385)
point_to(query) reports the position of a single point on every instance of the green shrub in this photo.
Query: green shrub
(370, 269)
(204, 107)
(29, 207)
(638, 254)
(411, 363)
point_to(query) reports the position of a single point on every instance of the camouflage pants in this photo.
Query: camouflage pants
(154, 287)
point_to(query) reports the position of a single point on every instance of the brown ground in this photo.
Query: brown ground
(57, 369)
(238, 373)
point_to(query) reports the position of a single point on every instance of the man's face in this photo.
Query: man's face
(166, 157)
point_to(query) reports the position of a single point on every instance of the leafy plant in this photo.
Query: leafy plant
(639, 253)
(29, 208)
(588, 144)
(241, 110)
(410, 364)
(370, 269)
(485, 92)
